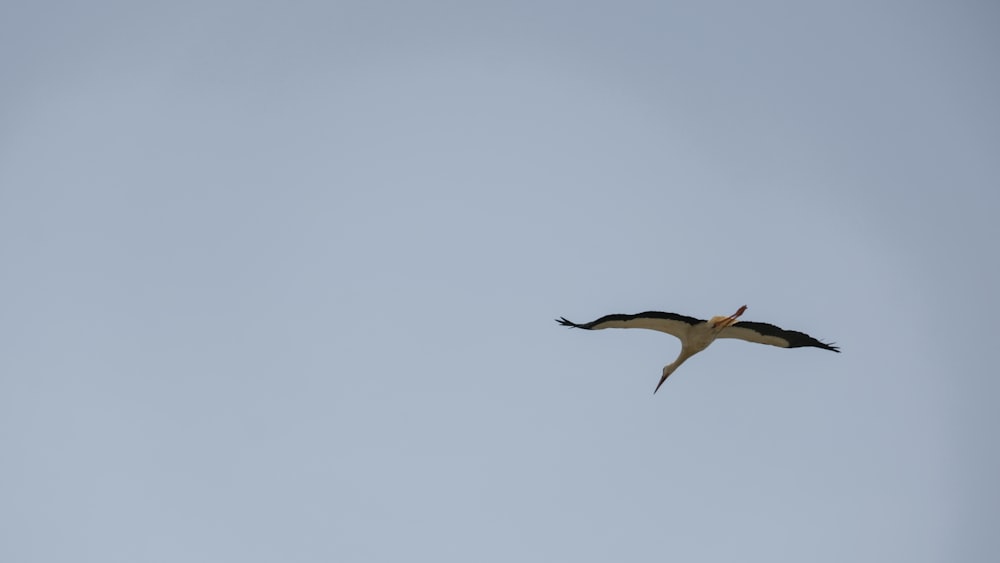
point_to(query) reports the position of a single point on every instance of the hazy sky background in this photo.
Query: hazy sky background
(278, 280)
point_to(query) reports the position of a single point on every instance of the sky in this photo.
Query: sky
(278, 280)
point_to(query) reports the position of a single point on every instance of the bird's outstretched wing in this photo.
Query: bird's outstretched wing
(670, 323)
(764, 333)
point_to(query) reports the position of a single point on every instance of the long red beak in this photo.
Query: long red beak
(662, 379)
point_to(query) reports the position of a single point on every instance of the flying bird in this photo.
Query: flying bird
(696, 334)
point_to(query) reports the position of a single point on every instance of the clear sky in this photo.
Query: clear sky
(278, 281)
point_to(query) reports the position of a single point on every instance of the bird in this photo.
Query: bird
(697, 334)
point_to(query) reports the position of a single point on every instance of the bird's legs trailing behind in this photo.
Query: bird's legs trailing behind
(723, 322)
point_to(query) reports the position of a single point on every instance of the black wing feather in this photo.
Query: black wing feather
(618, 317)
(795, 338)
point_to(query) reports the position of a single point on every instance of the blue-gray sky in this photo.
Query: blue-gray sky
(278, 280)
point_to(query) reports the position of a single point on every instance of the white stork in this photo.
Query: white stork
(697, 334)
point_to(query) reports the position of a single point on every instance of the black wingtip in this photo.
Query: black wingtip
(831, 346)
(566, 322)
